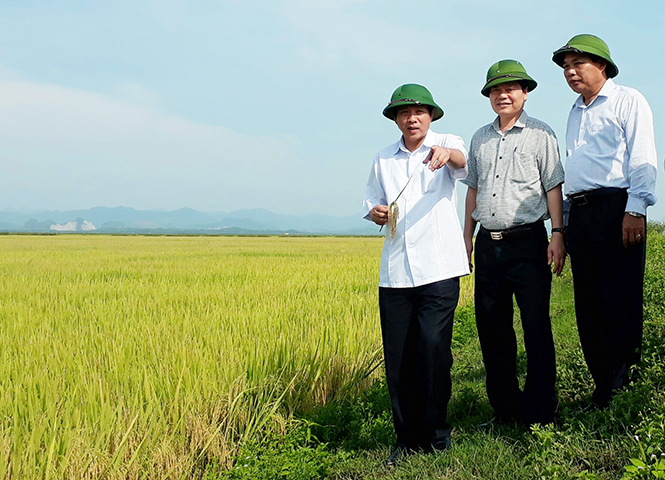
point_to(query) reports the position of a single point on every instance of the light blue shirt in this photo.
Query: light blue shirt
(610, 143)
(428, 245)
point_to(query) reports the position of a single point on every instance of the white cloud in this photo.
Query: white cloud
(135, 93)
(68, 148)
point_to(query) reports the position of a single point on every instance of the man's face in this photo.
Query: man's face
(413, 121)
(507, 99)
(584, 76)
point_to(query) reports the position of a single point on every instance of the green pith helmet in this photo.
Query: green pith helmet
(411, 94)
(506, 71)
(587, 44)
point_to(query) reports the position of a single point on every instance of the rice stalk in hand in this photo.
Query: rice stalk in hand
(393, 215)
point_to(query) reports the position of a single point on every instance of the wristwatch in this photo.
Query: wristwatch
(635, 214)
(561, 230)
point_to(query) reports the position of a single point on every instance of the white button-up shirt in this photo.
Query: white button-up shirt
(428, 245)
(610, 143)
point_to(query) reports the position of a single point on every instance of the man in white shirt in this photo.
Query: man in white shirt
(422, 260)
(611, 166)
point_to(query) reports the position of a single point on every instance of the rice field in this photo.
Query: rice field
(152, 357)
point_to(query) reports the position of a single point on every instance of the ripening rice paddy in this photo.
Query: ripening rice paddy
(150, 357)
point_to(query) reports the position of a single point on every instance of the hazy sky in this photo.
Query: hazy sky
(219, 105)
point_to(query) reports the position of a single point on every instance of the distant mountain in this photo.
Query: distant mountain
(184, 220)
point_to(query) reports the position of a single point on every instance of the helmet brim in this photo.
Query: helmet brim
(611, 70)
(390, 110)
(493, 82)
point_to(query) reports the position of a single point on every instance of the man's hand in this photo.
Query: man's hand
(556, 253)
(438, 157)
(469, 222)
(634, 231)
(379, 214)
(469, 250)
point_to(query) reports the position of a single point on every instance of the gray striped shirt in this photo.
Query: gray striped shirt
(512, 171)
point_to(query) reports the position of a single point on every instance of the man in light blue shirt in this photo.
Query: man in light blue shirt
(611, 166)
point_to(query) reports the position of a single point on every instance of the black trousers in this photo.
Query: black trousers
(516, 265)
(608, 280)
(417, 329)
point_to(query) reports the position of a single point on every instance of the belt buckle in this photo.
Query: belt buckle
(496, 235)
(581, 200)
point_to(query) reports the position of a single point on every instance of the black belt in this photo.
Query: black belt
(593, 196)
(509, 232)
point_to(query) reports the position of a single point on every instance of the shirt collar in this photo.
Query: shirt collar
(520, 123)
(429, 142)
(607, 88)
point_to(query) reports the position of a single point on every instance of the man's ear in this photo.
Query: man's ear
(602, 65)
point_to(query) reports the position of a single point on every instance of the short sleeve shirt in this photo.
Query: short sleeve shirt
(512, 172)
(428, 245)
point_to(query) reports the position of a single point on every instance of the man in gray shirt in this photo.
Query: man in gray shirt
(514, 181)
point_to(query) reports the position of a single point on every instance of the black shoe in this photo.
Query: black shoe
(399, 454)
(601, 398)
(621, 379)
(591, 407)
(440, 445)
(498, 420)
(595, 407)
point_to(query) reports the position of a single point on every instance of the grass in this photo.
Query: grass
(222, 357)
(349, 438)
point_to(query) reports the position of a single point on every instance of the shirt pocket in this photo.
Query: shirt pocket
(524, 168)
(604, 137)
(430, 180)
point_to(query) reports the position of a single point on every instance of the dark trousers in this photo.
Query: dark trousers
(608, 280)
(516, 265)
(417, 329)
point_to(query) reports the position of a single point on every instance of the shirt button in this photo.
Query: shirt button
(492, 214)
(494, 194)
(497, 176)
(500, 158)
(503, 139)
